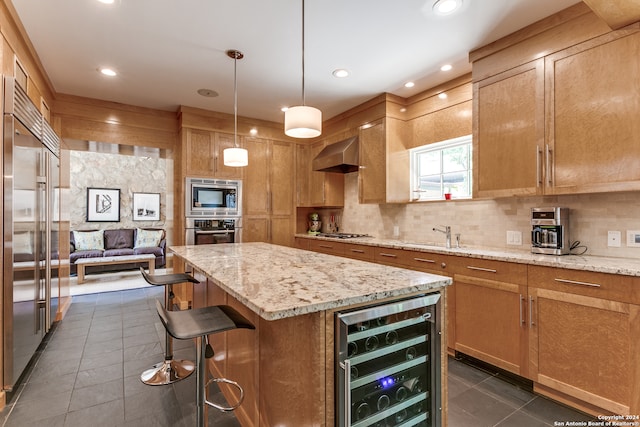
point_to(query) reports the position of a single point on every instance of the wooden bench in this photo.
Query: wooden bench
(150, 259)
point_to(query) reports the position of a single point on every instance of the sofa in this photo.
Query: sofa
(114, 243)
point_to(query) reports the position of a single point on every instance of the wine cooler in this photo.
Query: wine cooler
(388, 364)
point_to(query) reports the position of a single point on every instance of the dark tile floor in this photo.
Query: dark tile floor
(88, 372)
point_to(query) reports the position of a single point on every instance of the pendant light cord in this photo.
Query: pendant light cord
(235, 100)
(303, 95)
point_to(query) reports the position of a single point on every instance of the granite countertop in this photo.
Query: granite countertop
(624, 266)
(277, 281)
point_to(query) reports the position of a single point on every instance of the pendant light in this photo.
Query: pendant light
(236, 156)
(303, 121)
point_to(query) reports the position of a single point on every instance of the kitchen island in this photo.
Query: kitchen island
(286, 365)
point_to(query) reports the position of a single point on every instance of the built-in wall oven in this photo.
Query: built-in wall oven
(388, 364)
(207, 231)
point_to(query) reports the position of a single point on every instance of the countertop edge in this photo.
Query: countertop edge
(597, 264)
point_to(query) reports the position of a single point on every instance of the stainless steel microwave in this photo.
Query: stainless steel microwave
(210, 198)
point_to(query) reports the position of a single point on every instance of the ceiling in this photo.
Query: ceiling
(165, 50)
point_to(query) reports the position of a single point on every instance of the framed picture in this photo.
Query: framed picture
(103, 205)
(146, 206)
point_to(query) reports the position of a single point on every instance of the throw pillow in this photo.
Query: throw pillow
(88, 240)
(147, 238)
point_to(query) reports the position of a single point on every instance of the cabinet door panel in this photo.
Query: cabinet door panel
(489, 322)
(372, 173)
(255, 229)
(281, 192)
(594, 133)
(509, 132)
(582, 347)
(256, 178)
(200, 153)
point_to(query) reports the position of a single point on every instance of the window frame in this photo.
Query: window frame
(414, 153)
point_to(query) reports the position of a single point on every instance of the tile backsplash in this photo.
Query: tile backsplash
(484, 223)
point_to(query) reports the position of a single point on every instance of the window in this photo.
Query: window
(442, 168)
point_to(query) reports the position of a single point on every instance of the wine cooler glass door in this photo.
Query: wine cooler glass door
(388, 364)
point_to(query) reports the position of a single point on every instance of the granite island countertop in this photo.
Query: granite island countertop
(277, 281)
(611, 265)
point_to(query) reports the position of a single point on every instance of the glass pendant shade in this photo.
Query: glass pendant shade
(235, 157)
(303, 122)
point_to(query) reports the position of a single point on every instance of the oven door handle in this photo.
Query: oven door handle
(214, 231)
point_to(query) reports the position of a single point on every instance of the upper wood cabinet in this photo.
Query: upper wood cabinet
(316, 189)
(372, 173)
(565, 123)
(203, 154)
(593, 106)
(508, 132)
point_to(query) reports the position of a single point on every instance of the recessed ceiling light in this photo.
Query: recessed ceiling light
(446, 67)
(442, 95)
(446, 7)
(409, 84)
(108, 72)
(107, 1)
(340, 72)
(209, 93)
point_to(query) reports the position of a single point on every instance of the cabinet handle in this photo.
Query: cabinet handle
(346, 366)
(388, 255)
(489, 270)
(521, 310)
(538, 166)
(574, 282)
(326, 246)
(425, 260)
(358, 251)
(531, 301)
(548, 160)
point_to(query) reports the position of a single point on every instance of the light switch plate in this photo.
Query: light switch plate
(633, 238)
(613, 239)
(514, 238)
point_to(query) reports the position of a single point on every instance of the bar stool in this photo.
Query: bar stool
(199, 323)
(169, 370)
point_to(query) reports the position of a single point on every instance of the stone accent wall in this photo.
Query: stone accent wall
(130, 174)
(484, 223)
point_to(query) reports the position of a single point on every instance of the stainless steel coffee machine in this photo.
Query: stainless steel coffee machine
(550, 231)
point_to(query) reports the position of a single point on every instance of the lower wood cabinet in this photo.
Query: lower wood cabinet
(575, 334)
(584, 339)
(490, 313)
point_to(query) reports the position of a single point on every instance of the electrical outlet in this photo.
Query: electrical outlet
(396, 231)
(514, 238)
(613, 239)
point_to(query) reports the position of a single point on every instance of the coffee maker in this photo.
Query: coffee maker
(550, 231)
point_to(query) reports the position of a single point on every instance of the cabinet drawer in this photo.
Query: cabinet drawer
(612, 287)
(390, 256)
(362, 252)
(430, 262)
(327, 247)
(494, 270)
(302, 243)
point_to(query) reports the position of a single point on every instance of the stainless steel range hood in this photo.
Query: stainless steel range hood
(341, 157)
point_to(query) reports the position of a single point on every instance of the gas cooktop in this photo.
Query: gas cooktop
(342, 235)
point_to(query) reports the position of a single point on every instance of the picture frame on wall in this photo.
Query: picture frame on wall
(146, 206)
(103, 205)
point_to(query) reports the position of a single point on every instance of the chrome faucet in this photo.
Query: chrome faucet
(447, 232)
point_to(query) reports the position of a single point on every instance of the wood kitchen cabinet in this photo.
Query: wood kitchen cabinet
(583, 339)
(565, 123)
(203, 154)
(372, 173)
(593, 105)
(490, 313)
(508, 132)
(316, 189)
(268, 192)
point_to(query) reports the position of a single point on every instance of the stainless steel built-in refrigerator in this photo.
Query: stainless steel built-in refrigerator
(31, 189)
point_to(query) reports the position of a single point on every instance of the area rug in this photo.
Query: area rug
(109, 282)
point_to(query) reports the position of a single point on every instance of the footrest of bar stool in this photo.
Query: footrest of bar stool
(220, 407)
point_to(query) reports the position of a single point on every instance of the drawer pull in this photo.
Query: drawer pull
(326, 246)
(521, 310)
(574, 282)
(488, 270)
(359, 251)
(388, 255)
(425, 260)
